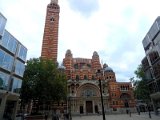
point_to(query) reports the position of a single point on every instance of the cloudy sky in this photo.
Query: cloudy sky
(113, 28)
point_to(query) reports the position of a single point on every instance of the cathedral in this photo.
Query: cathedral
(83, 80)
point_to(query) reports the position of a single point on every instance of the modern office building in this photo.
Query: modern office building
(84, 87)
(50, 36)
(12, 66)
(151, 62)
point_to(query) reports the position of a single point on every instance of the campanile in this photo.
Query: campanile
(50, 36)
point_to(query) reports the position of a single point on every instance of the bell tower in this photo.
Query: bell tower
(50, 36)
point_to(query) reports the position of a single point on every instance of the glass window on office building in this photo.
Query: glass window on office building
(9, 42)
(2, 54)
(6, 61)
(16, 86)
(22, 52)
(3, 21)
(4, 81)
(19, 68)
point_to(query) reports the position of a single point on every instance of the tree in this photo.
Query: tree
(42, 82)
(141, 91)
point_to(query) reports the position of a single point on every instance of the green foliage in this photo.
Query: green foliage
(141, 91)
(139, 72)
(43, 81)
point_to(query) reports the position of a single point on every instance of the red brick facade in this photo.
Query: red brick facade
(83, 86)
(50, 37)
(82, 83)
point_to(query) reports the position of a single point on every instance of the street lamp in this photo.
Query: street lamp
(99, 75)
(69, 108)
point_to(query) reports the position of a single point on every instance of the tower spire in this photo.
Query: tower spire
(54, 1)
(50, 36)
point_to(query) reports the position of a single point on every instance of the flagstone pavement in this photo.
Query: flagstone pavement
(134, 116)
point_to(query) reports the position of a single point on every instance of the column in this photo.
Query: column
(15, 110)
(84, 106)
(73, 105)
(3, 104)
(93, 107)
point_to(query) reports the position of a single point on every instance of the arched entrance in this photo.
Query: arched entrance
(89, 95)
(125, 97)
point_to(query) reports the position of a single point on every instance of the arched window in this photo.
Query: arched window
(76, 66)
(125, 96)
(88, 93)
(93, 78)
(85, 77)
(77, 77)
(52, 19)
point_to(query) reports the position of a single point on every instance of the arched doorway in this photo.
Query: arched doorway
(125, 97)
(88, 94)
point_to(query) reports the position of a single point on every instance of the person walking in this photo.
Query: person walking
(55, 117)
(46, 116)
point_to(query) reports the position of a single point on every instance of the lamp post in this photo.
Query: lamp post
(99, 75)
(69, 108)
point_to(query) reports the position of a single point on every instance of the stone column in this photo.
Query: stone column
(93, 107)
(15, 110)
(2, 105)
(73, 105)
(84, 106)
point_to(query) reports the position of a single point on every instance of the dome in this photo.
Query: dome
(108, 69)
(95, 53)
(105, 66)
(68, 51)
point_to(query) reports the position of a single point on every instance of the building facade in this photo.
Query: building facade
(12, 66)
(50, 36)
(84, 87)
(151, 62)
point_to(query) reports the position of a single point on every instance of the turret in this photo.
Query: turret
(54, 1)
(95, 61)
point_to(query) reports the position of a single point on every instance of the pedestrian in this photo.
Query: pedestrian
(138, 110)
(46, 116)
(130, 113)
(55, 117)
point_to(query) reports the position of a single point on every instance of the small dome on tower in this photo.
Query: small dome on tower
(54, 1)
(105, 65)
(68, 53)
(108, 69)
(95, 53)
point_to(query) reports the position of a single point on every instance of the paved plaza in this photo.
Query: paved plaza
(135, 116)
